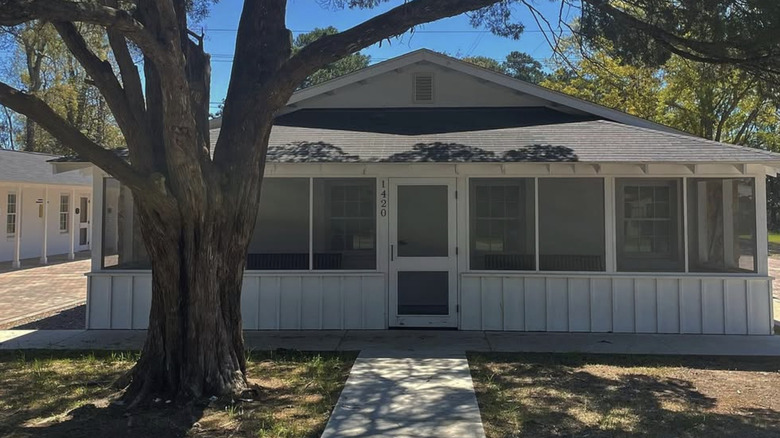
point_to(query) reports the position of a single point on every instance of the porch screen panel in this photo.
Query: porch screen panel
(281, 237)
(721, 225)
(501, 224)
(344, 226)
(571, 224)
(649, 225)
(123, 246)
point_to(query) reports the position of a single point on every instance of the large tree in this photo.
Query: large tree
(197, 207)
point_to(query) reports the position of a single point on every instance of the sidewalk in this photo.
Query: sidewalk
(407, 394)
(421, 342)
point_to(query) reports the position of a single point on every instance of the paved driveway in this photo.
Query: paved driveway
(41, 290)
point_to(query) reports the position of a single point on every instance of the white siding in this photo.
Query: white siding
(621, 304)
(122, 300)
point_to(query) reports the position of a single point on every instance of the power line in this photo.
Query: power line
(413, 31)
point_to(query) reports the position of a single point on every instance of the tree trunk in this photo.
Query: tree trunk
(194, 346)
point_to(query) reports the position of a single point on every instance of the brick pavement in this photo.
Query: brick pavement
(41, 290)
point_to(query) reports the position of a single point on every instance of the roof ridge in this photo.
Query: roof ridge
(701, 139)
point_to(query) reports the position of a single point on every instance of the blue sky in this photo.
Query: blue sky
(454, 36)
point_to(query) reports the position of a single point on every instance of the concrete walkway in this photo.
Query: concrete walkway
(419, 341)
(396, 393)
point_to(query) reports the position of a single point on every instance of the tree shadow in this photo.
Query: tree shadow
(308, 152)
(68, 319)
(460, 153)
(527, 395)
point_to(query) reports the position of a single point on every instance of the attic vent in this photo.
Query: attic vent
(423, 88)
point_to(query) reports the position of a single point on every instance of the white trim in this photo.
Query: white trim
(536, 225)
(73, 225)
(762, 250)
(45, 249)
(685, 223)
(450, 262)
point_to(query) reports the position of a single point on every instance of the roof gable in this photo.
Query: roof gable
(457, 84)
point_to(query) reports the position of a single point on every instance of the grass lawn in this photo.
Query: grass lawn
(69, 394)
(549, 395)
(774, 237)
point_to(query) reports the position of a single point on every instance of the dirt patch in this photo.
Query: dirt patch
(545, 395)
(69, 394)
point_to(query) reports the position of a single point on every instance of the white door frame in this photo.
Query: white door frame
(84, 225)
(448, 263)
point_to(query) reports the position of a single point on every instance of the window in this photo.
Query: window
(123, 247)
(64, 213)
(571, 224)
(721, 225)
(281, 236)
(649, 224)
(10, 218)
(344, 226)
(502, 224)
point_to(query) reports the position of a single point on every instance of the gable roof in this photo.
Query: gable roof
(556, 100)
(535, 135)
(34, 168)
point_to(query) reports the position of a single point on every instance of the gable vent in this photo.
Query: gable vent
(423, 88)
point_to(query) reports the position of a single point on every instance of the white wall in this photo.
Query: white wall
(32, 220)
(621, 304)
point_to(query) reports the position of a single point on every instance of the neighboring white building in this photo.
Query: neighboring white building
(427, 192)
(42, 213)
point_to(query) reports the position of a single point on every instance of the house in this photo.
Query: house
(427, 192)
(43, 213)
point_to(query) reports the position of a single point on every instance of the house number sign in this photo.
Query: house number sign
(383, 200)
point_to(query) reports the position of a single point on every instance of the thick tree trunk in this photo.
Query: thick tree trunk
(194, 346)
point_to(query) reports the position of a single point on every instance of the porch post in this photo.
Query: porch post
(17, 263)
(762, 252)
(45, 250)
(73, 205)
(97, 219)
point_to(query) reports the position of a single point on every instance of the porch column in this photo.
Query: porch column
(45, 250)
(762, 252)
(73, 224)
(17, 263)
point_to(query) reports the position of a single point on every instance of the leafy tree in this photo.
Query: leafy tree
(487, 63)
(197, 210)
(518, 65)
(523, 66)
(42, 66)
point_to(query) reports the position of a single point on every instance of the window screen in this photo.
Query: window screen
(502, 224)
(344, 223)
(281, 237)
(721, 225)
(571, 224)
(649, 225)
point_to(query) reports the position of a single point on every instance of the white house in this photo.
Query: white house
(43, 213)
(427, 192)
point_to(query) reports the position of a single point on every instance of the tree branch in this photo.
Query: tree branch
(14, 12)
(102, 74)
(131, 79)
(71, 137)
(392, 23)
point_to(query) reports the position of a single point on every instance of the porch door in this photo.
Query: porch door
(423, 262)
(83, 242)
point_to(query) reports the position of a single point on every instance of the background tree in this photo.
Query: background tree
(519, 65)
(42, 66)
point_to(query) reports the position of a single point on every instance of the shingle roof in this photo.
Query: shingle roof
(348, 137)
(30, 167)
